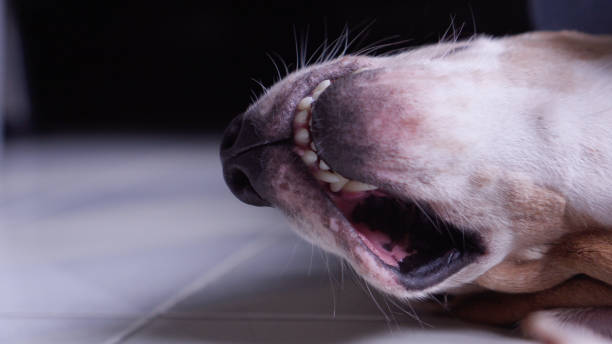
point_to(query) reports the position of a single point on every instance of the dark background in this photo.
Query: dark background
(189, 65)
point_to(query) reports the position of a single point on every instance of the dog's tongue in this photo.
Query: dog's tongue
(381, 245)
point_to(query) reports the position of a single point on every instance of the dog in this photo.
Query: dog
(479, 168)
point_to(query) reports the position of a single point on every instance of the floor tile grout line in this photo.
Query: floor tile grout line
(201, 316)
(264, 317)
(212, 275)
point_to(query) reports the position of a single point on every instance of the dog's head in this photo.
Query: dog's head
(423, 169)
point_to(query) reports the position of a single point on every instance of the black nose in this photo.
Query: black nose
(242, 168)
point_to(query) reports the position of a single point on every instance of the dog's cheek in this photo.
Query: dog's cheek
(493, 202)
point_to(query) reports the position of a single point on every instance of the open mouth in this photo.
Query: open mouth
(406, 237)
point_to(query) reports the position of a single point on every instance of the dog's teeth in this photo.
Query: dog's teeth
(305, 103)
(309, 157)
(302, 137)
(301, 118)
(322, 86)
(355, 186)
(312, 146)
(323, 165)
(335, 187)
(327, 177)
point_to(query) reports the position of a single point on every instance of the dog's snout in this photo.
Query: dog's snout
(238, 180)
(241, 168)
(231, 134)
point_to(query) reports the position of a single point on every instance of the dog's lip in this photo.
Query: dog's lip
(307, 82)
(353, 239)
(357, 251)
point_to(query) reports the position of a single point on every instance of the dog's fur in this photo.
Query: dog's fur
(507, 137)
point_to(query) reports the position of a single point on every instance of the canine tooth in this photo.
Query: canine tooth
(327, 177)
(323, 165)
(312, 146)
(302, 137)
(309, 157)
(301, 118)
(305, 103)
(322, 86)
(335, 187)
(355, 186)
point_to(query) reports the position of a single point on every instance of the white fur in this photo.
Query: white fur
(514, 141)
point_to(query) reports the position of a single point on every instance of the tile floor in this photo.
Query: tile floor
(137, 240)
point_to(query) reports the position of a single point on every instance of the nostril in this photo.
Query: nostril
(231, 133)
(240, 185)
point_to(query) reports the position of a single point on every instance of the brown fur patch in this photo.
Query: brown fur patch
(503, 309)
(573, 44)
(587, 253)
(557, 49)
(536, 212)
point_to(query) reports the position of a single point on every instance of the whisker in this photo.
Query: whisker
(474, 29)
(376, 302)
(290, 260)
(315, 52)
(363, 33)
(370, 48)
(412, 313)
(283, 63)
(263, 87)
(454, 39)
(341, 262)
(391, 313)
(304, 51)
(278, 73)
(444, 304)
(335, 45)
(342, 45)
(331, 282)
(427, 216)
(297, 54)
(311, 255)
(446, 32)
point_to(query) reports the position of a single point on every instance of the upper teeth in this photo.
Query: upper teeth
(302, 137)
(302, 117)
(302, 124)
(305, 104)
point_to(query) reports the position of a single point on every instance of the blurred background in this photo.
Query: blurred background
(189, 66)
(115, 224)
